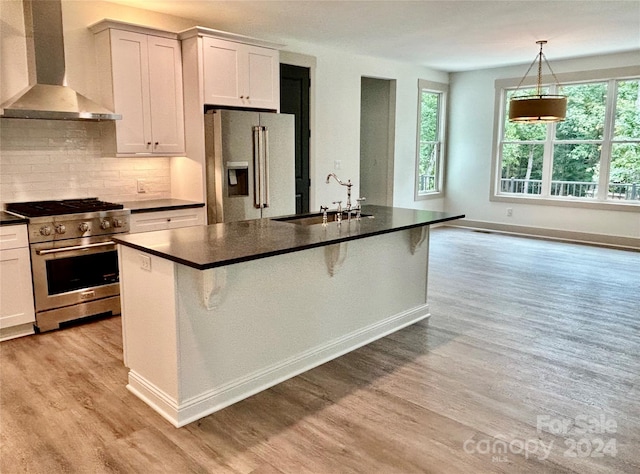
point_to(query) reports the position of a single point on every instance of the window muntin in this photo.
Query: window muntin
(518, 131)
(522, 153)
(575, 170)
(627, 117)
(594, 155)
(430, 159)
(624, 169)
(522, 168)
(586, 104)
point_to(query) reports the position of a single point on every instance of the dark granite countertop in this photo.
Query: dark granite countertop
(156, 205)
(217, 245)
(10, 219)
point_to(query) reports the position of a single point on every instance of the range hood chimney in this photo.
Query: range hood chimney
(47, 96)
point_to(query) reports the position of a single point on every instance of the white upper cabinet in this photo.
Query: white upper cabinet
(262, 75)
(231, 70)
(165, 92)
(141, 79)
(221, 72)
(241, 75)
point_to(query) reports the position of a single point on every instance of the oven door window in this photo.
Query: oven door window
(83, 271)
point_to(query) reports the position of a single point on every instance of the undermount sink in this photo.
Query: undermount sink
(313, 219)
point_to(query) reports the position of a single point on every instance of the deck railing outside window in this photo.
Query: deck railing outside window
(427, 182)
(432, 107)
(592, 156)
(626, 192)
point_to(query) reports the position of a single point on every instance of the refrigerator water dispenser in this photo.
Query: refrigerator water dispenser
(237, 178)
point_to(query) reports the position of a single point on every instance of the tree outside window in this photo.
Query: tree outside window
(577, 147)
(593, 155)
(624, 173)
(522, 152)
(429, 163)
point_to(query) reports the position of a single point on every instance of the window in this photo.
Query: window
(593, 156)
(430, 150)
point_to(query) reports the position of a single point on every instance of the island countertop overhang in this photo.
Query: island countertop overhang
(217, 245)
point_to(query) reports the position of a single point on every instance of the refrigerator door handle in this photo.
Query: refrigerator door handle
(257, 171)
(266, 167)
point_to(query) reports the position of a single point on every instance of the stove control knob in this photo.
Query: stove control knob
(60, 229)
(118, 222)
(46, 230)
(105, 224)
(83, 227)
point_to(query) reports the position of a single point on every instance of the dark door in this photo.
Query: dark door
(294, 99)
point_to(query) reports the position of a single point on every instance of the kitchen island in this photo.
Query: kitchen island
(213, 314)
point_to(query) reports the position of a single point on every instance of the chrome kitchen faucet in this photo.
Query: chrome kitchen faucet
(348, 184)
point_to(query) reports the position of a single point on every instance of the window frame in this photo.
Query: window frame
(442, 90)
(502, 86)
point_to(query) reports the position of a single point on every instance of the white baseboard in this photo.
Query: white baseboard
(604, 240)
(180, 413)
(16, 331)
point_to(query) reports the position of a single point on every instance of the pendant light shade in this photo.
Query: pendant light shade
(534, 108)
(539, 107)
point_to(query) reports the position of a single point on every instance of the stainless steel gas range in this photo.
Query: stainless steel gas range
(73, 259)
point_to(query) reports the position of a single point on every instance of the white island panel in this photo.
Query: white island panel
(238, 329)
(149, 327)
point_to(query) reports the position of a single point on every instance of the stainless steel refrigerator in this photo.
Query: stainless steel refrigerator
(250, 161)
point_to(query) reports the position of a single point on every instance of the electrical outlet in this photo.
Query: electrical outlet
(142, 186)
(145, 262)
(337, 164)
(509, 212)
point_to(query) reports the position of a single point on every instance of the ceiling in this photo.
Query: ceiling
(452, 35)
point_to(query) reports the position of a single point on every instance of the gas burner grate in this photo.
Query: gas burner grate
(61, 207)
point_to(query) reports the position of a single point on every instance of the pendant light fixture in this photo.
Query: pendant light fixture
(538, 108)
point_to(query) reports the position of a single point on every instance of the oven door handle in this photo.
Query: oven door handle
(75, 247)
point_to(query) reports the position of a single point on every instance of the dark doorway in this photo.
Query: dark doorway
(294, 99)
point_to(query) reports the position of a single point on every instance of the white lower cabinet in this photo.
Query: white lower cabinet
(164, 220)
(17, 313)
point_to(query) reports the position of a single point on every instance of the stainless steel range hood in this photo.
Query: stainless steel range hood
(47, 96)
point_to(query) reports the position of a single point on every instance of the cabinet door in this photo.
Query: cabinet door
(163, 220)
(262, 77)
(147, 222)
(165, 90)
(221, 72)
(130, 70)
(16, 293)
(186, 218)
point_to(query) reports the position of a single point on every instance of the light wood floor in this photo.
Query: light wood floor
(521, 330)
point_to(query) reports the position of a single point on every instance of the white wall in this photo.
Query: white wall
(80, 59)
(336, 80)
(376, 139)
(336, 87)
(51, 159)
(13, 50)
(471, 133)
(336, 135)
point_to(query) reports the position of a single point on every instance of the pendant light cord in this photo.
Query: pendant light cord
(539, 57)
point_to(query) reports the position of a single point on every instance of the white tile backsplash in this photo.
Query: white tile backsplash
(54, 159)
